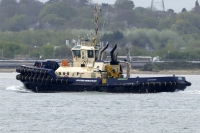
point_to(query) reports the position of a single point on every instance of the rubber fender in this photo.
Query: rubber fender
(29, 71)
(21, 70)
(188, 83)
(25, 70)
(44, 72)
(22, 78)
(33, 71)
(53, 81)
(26, 78)
(61, 81)
(30, 79)
(18, 76)
(37, 71)
(40, 79)
(40, 72)
(35, 79)
(43, 79)
(48, 80)
(18, 70)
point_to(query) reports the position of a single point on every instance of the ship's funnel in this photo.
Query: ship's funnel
(112, 53)
(101, 51)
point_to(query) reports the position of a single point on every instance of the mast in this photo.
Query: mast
(128, 62)
(95, 21)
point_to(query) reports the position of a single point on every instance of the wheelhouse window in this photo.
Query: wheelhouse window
(83, 54)
(76, 53)
(90, 54)
(96, 54)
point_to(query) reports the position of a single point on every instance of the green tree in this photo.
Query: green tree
(187, 23)
(31, 9)
(129, 16)
(75, 22)
(16, 23)
(114, 37)
(117, 25)
(60, 9)
(8, 7)
(54, 19)
(124, 4)
(83, 3)
(149, 22)
(197, 7)
(47, 51)
(140, 40)
(63, 52)
(71, 2)
(86, 24)
(85, 13)
(24, 1)
(34, 53)
(184, 10)
(166, 23)
(10, 49)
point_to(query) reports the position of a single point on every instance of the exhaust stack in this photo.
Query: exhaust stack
(101, 51)
(112, 53)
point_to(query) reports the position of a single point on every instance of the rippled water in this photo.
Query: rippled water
(23, 111)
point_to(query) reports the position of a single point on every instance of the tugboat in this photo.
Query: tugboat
(88, 72)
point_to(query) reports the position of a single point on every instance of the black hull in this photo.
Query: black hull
(35, 87)
(45, 80)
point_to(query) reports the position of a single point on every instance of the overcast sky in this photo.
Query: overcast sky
(177, 5)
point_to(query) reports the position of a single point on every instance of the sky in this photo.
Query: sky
(176, 5)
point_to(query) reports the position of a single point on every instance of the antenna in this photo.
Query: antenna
(157, 2)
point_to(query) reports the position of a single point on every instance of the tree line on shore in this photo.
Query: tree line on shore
(30, 27)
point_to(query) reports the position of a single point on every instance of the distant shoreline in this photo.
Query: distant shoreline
(136, 71)
(7, 70)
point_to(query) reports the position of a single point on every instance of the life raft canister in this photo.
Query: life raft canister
(65, 63)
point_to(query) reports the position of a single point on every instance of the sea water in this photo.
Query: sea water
(22, 111)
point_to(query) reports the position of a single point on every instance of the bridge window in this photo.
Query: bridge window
(96, 54)
(83, 54)
(90, 54)
(76, 53)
